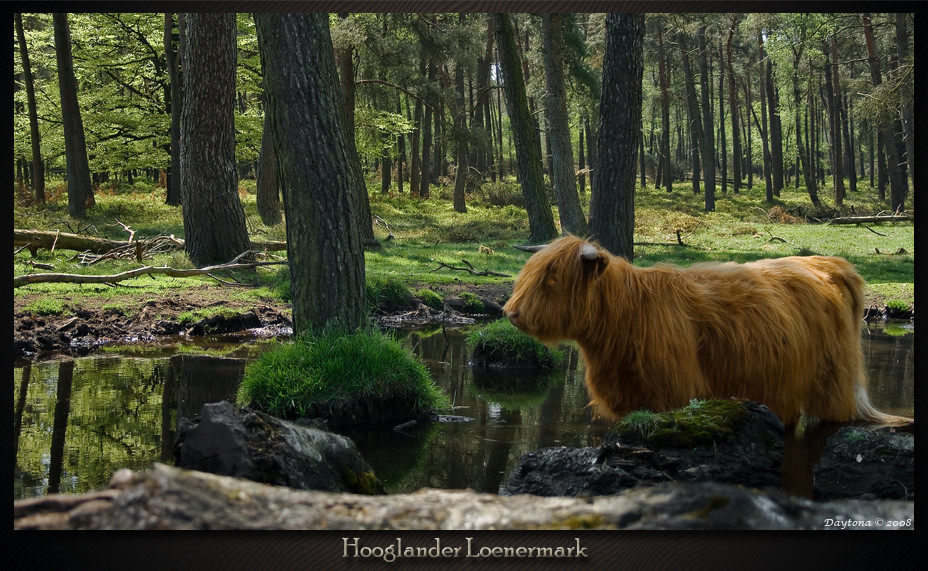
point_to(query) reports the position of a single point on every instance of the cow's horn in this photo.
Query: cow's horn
(588, 252)
(530, 248)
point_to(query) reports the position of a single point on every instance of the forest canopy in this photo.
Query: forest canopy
(821, 101)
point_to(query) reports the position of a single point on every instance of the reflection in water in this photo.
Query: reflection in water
(78, 421)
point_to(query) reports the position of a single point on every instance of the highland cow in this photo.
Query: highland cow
(783, 332)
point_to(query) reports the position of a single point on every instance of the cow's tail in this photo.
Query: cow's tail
(867, 412)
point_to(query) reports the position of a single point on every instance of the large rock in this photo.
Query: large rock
(256, 446)
(866, 464)
(747, 447)
(170, 498)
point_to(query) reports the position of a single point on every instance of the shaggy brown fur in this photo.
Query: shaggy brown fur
(783, 332)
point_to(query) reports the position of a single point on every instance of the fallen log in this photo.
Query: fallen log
(28, 279)
(33, 240)
(871, 219)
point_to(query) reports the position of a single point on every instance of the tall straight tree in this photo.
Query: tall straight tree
(896, 182)
(172, 59)
(708, 132)
(734, 109)
(214, 221)
(528, 148)
(565, 182)
(267, 187)
(612, 200)
(38, 170)
(319, 170)
(664, 74)
(692, 105)
(80, 193)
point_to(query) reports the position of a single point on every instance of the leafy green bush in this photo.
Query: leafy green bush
(313, 374)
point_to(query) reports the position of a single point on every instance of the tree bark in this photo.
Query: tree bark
(528, 150)
(460, 140)
(666, 175)
(733, 110)
(80, 193)
(906, 100)
(896, 183)
(214, 221)
(172, 58)
(38, 169)
(268, 177)
(695, 121)
(832, 101)
(612, 200)
(775, 135)
(708, 132)
(571, 214)
(319, 170)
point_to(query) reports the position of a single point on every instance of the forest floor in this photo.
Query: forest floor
(121, 318)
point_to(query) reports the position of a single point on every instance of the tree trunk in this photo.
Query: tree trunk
(695, 121)
(708, 133)
(214, 221)
(612, 200)
(832, 99)
(319, 170)
(571, 214)
(38, 170)
(723, 140)
(905, 95)
(426, 163)
(268, 180)
(775, 134)
(80, 193)
(897, 186)
(172, 58)
(581, 160)
(460, 139)
(734, 109)
(667, 173)
(528, 150)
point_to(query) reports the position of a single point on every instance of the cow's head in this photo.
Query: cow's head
(552, 294)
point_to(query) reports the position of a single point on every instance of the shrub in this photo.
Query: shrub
(318, 375)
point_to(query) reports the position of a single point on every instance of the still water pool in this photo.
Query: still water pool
(77, 421)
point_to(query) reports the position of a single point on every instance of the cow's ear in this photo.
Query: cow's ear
(593, 261)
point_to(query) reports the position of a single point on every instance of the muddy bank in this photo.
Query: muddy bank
(121, 319)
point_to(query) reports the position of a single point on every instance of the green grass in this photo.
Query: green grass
(502, 341)
(700, 423)
(426, 232)
(309, 373)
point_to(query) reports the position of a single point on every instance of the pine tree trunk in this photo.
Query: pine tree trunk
(214, 221)
(695, 121)
(571, 214)
(612, 200)
(319, 170)
(708, 134)
(268, 180)
(80, 192)
(528, 150)
(896, 182)
(38, 170)
(733, 110)
(172, 58)
(667, 173)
